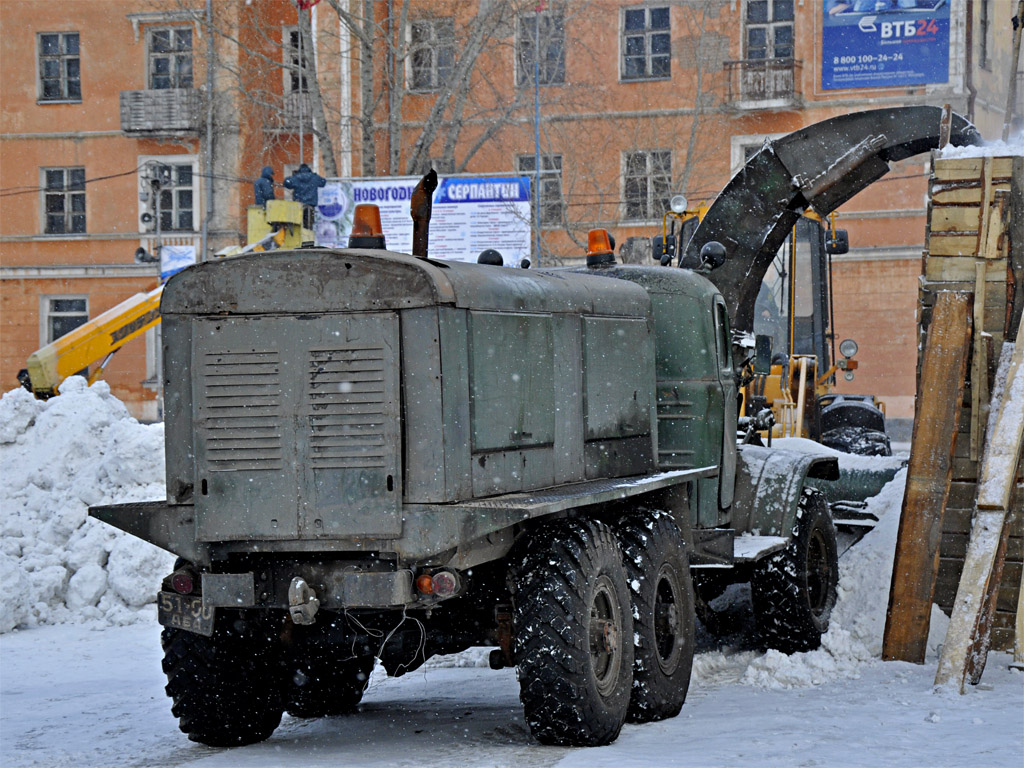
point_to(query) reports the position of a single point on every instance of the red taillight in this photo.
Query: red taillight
(182, 582)
(446, 583)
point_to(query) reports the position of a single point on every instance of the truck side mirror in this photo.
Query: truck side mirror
(837, 244)
(762, 354)
(663, 246)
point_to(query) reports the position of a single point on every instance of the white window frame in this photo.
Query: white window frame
(433, 46)
(737, 144)
(151, 56)
(68, 194)
(770, 26)
(46, 312)
(652, 212)
(145, 162)
(647, 32)
(63, 58)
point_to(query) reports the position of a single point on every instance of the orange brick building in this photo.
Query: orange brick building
(631, 101)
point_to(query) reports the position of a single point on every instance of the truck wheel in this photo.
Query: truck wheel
(794, 590)
(658, 573)
(572, 634)
(321, 686)
(224, 688)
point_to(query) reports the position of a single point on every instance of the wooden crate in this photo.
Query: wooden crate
(957, 239)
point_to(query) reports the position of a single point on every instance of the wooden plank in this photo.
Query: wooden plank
(979, 364)
(959, 168)
(986, 201)
(1018, 640)
(1002, 456)
(968, 638)
(952, 245)
(954, 219)
(955, 545)
(943, 367)
(1015, 249)
(953, 193)
(956, 268)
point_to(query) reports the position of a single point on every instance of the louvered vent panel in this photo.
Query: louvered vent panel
(241, 410)
(346, 396)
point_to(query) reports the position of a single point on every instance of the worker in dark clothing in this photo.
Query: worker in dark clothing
(305, 186)
(264, 186)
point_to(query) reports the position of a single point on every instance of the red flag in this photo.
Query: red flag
(305, 5)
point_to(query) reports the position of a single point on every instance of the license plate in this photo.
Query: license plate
(185, 612)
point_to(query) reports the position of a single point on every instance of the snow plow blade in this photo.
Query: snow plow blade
(821, 167)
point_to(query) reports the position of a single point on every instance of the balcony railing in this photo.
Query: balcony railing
(755, 83)
(171, 110)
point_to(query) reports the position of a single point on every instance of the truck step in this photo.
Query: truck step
(853, 514)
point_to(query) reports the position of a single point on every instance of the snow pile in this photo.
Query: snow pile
(1013, 146)
(57, 458)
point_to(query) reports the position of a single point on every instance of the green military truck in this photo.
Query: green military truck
(376, 456)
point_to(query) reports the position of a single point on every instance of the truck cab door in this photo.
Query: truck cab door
(727, 382)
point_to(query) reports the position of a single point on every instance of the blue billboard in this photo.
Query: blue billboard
(884, 43)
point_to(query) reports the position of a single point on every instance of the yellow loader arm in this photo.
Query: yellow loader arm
(94, 341)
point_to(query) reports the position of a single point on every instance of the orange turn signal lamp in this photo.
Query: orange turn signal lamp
(599, 248)
(366, 228)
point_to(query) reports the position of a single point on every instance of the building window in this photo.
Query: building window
(61, 315)
(550, 185)
(170, 58)
(984, 24)
(64, 200)
(60, 78)
(543, 32)
(769, 29)
(646, 43)
(294, 62)
(171, 193)
(432, 53)
(647, 183)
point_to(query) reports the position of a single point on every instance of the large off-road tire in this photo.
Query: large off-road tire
(225, 688)
(794, 590)
(658, 572)
(572, 634)
(324, 684)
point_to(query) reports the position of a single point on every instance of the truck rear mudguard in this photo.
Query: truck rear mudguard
(820, 166)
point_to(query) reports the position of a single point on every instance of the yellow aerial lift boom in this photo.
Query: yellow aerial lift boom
(98, 339)
(278, 224)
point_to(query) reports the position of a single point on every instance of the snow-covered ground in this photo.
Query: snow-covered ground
(80, 679)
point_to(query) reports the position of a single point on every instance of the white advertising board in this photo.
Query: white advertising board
(469, 215)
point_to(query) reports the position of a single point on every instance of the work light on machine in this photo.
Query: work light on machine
(677, 203)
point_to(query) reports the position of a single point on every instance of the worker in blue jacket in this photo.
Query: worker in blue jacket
(305, 186)
(263, 187)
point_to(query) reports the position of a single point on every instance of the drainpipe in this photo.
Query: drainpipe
(208, 160)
